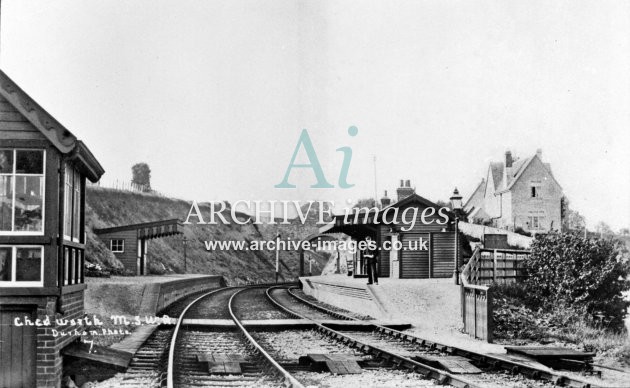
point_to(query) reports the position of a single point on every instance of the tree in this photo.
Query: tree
(572, 221)
(604, 229)
(567, 271)
(141, 176)
(624, 231)
(441, 203)
(365, 202)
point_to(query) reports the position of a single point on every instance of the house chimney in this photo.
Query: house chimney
(539, 153)
(385, 201)
(404, 190)
(508, 159)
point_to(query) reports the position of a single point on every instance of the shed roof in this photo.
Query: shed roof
(147, 230)
(57, 134)
(362, 228)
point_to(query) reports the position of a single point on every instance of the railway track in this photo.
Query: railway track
(256, 325)
(290, 346)
(189, 341)
(270, 353)
(394, 341)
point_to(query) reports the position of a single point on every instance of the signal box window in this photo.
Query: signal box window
(21, 266)
(21, 191)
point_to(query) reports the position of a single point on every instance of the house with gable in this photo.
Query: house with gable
(517, 193)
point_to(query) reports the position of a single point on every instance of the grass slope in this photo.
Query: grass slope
(107, 208)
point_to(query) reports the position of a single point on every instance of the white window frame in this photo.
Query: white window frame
(13, 176)
(15, 283)
(75, 189)
(67, 233)
(538, 223)
(111, 245)
(538, 190)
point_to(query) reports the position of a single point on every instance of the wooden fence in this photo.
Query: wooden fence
(485, 267)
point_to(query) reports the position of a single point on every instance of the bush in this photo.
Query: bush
(156, 268)
(96, 271)
(517, 315)
(586, 275)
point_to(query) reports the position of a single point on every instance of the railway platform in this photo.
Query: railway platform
(142, 295)
(431, 306)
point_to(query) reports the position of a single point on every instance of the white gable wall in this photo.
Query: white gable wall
(546, 207)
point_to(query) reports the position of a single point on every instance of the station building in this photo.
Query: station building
(43, 172)
(428, 248)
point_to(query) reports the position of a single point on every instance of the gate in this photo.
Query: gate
(486, 267)
(18, 346)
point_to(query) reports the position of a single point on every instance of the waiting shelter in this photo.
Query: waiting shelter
(129, 243)
(412, 242)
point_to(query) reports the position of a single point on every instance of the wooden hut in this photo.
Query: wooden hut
(129, 243)
(426, 246)
(43, 170)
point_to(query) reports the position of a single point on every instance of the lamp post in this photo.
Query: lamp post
(456, 205)
(185, 241)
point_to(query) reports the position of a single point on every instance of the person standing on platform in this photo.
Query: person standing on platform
(371, 257)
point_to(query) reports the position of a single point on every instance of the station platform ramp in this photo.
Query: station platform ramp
(431, 306)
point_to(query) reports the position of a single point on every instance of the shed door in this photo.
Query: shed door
(414, 258)
(443, 254)
(17, 347)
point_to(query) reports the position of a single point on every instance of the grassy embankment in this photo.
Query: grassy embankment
(519, 322)
(107, 208)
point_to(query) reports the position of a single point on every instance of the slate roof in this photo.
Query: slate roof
(497, 174)
(476, 197)
(503, 178)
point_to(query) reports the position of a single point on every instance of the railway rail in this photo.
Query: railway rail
(184, 368)
(269, 364)
(389, 334)
(246, 322)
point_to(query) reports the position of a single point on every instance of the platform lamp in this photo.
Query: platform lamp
(456, 205)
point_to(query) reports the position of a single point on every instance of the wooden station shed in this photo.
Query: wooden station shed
(43, 171)
(129, 243)
(426, 250)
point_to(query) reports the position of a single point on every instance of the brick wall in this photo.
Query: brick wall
(171, 292)
(49, 360)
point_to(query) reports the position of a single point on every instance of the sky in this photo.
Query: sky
(213, 95)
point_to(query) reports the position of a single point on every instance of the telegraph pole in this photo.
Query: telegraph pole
(277, 256)
(375, 191)
(185, 241)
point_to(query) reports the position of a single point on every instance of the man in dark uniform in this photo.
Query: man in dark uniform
(370, 255)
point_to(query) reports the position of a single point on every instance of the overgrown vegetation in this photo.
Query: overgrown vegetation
(573, 294)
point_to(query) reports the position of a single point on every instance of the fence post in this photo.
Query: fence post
(462, 293)
(490, 320)
(475, 311)
(494, 266)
